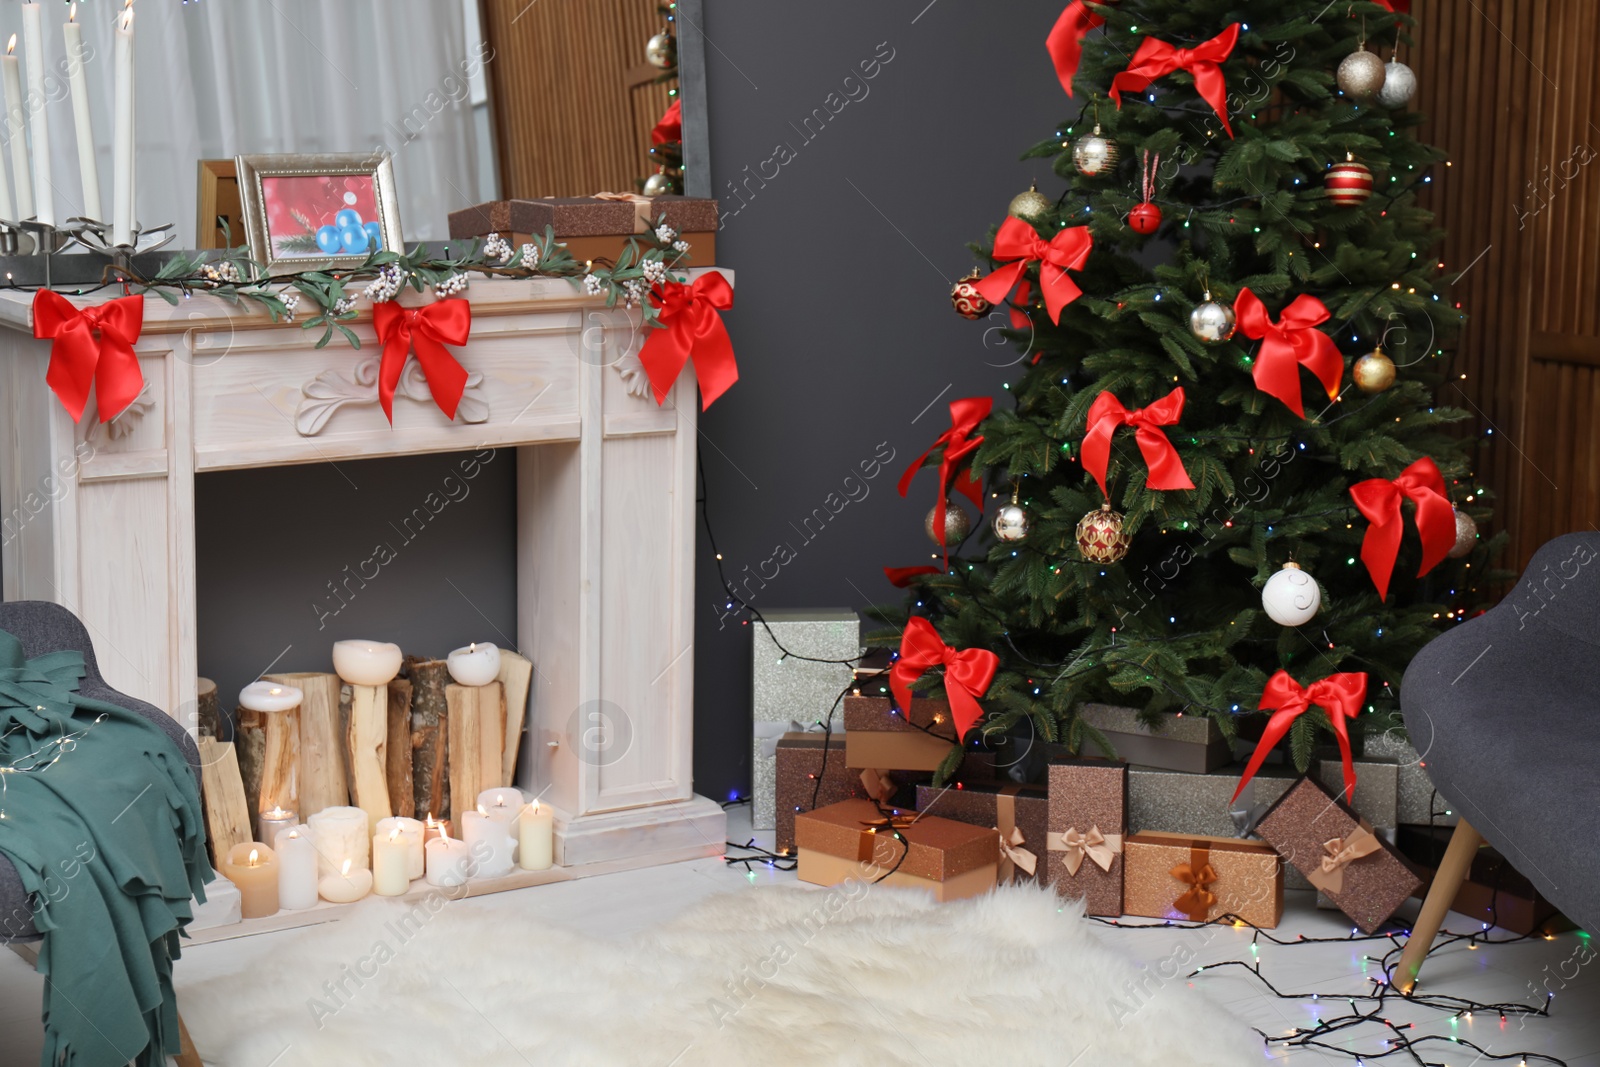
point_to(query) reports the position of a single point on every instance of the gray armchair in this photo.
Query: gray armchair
(1502, 709)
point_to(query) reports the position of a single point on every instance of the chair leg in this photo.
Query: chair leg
(1446, 884)
(187, 1055)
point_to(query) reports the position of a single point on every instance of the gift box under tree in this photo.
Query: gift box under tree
(1198, 878)
(1175, 742)
(1494, 892)
(855, 840)
(1088, 803)
(1019, 815)
(879, 734)
(811, 774)
(1419, 803)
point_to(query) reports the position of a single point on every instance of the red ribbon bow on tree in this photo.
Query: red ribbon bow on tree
(426, 330)
(670, 127)
(691, 329)
(958, 443)
(967, 672)
(1017, 244)
(1065, 43)
(1286, 344)
(1379, 501)
(78, 359)
(1156, 59)
(1107, 413)
(1340, 695)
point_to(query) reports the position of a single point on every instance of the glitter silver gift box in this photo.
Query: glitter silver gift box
(1182, 802)
(1377, 792)
(1178, 742)
(788, 689)
(1417, 798)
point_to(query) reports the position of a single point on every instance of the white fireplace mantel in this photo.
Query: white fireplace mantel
(100, 518)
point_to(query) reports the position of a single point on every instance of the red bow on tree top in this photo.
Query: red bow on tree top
(967, 673)
(1017, 244)
(1156, 59)
(958, 443)
(692, 329)
(670, 128)
(1379, 501)
(1340, 695)
(1107, 413)
(426, 330)
(78, 359)
(1286, 344)
(1065, 43)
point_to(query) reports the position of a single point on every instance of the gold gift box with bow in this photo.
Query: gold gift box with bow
(853, 840)
(1197, 878)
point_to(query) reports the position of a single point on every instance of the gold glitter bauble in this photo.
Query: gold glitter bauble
(1032, 207)
(1466, 535)
(1373, 372)
(1361, 75)
(956, 523)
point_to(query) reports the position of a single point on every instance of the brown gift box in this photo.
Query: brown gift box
(799, 757)
(1494, 892)
(875, 737)
(1196, 878)
(948, 858)
(1338, 853)
(1087, 795)
(1179, 743)
(593, 228)
(1021, 814)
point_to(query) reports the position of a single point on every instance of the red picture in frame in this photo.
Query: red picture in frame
(313, 216)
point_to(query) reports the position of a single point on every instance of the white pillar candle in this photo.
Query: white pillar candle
(391, 862)
(340, 834)
(366, 662)
(536, 836)
(411, 832)
(78, 85)
(501, 804)
(448, 858)
(270, 696)
(297, 868)
(122, 135)
(346, 885)
(16, 122)
(275, 820)
(488, 843)
(38, 124)
(477, 664)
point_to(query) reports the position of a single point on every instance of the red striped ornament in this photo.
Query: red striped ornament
(1348, 183)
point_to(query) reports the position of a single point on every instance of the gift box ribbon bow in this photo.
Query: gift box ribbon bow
(1016, 245)
(1340, 695)
(1328, 875)
(1156, 59)
(1289, 343)
(1100, 848)
(967, 672)
(877, 784)
(1107, 413)
(1196, 901)
(1013, 855)
(425, 330)
(641, 207)
(1379, 500)
(692, 328)
(79, 358)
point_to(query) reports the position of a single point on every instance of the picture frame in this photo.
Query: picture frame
(313, 212)
(218, 196)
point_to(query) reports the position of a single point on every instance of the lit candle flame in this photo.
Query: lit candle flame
(11, 45)
(344, 871)
(444, 832)
(255, 858)
(394, 834)
(482, 812)
(472, 647)
(127, 16)
(275, 691)
(535, 805)
(294, 835)
(499, 801)
(72, 13)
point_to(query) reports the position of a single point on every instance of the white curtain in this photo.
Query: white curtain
(215, 78)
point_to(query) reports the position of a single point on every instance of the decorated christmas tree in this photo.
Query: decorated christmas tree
(1222, 457)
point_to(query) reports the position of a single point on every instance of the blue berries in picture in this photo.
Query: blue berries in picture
(347, 218)
(374, 237)
(329, 239)
(353, 239)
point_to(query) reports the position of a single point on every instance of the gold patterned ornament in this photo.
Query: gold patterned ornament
(1032, 207)
(1101, 536)
(1361, 74)
(1466, 535)
(965, 298)
(1373, 372)
(956, 523)
(1094, 155)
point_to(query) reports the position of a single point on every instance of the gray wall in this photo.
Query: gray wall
(842, 323)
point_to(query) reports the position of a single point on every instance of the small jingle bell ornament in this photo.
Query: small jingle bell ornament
(1212, 322)
(1373, 372)
(1011, 522)
(965, 298)
(956, 523)
(1399, 85)
(661, 51)
(1291, 597)
(1094, 155)
(1361, 74)
(1466, 535)
(1348, 184)
(1145, 217)
(1102, 537)
(1032, 207)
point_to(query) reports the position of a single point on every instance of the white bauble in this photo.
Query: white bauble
(1399, 85)
(1291, 597)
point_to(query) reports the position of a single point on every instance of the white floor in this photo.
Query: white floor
(616, 905)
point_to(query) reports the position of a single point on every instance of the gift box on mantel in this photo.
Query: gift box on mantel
(1088, 820)
(591, 227)
(811, 774)
(854, 840)
(1339, 854)
(1197, 878)
(789, 690)
(1177, 743)
(1019, 815)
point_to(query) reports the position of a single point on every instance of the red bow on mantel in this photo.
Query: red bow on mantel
(691, 329)
(1156, 59)
(78, 359)
(1107, 413)
(426, 330)
(1065, 43)
(958, 443)
(1287, 344)
(1379, 501)
(1340, 695)
(967, 672)
(1017, 244)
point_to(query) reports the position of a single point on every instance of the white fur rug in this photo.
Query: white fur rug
(847, 976)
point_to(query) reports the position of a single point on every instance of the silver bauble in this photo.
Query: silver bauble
(1361, 74)
(661, 51)
(1466, 535)
(660, 184)
(1211, 322)
(1094, 155)
(956, 523)
(1011, 523)
(1399, 85)
(1291, 597)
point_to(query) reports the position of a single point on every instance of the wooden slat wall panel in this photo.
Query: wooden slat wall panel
(568, 119)
(1509, 87)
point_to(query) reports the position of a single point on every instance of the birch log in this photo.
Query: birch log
(207, 709)
(397, 759)
(322, 758)
(280, 763)
(516, 677)
(249, 750)
(222, 789)
(477, 731)
(368, 742)
(429, 736)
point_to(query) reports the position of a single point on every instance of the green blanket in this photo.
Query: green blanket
(102, 819)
